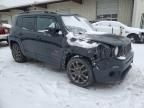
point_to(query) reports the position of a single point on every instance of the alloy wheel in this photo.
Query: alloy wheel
(78, 72)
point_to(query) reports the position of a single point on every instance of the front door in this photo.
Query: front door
(49, 47)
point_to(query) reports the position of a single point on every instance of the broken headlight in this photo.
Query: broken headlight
(116, 51)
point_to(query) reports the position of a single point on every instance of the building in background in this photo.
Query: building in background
(129, 12)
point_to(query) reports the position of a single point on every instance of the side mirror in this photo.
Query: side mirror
(60, 32)
(54, 31)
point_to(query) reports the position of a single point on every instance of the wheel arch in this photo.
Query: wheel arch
(15, 40)
(131, 35)
(134, 36)
(11, 42)
(69, 56)
(87, 62)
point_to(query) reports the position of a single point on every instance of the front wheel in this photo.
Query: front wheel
(80, 73)
(17, 53)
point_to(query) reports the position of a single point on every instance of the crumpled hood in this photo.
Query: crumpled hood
(109, 39)
(93, 39)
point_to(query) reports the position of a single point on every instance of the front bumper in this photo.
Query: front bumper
(112, 70)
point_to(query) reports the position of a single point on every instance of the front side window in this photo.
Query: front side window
(118, 24)
(44, 23)
(28, 23)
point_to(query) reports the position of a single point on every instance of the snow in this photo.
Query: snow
(79, 42)
(121, 58)
(6, 25)
(36, 85)
(138, 57)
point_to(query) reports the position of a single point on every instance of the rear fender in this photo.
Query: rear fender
(16, 40)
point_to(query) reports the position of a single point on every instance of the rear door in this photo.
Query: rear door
(27, 35)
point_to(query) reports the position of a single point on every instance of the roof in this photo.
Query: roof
(44, 13)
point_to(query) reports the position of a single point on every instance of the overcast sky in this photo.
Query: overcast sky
(12, 3)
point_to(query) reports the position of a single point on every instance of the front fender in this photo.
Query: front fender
(76, 52)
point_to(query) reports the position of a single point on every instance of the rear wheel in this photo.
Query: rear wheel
(79, 72)
(17, 54)
(133, 40)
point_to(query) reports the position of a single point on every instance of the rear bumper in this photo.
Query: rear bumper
(112, 70)
(4, 37)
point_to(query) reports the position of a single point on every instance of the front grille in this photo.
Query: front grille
(124, 50)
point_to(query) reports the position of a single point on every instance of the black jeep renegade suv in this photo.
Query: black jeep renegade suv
(69, 42)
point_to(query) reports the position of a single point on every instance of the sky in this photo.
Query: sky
(12, 3)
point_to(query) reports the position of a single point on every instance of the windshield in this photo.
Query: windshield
(122, 25)
(77, 24)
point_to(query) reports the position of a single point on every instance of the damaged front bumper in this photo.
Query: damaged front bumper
(112, 70)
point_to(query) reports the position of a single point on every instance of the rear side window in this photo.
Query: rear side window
(107, 24)
(28, 23)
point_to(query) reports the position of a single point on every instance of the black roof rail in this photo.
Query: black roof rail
(37, 11)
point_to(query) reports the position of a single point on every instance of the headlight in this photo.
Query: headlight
(116, 51)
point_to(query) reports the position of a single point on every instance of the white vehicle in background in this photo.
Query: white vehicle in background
(117, 28)
(4, 31)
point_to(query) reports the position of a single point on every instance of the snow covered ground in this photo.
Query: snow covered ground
(36, 85)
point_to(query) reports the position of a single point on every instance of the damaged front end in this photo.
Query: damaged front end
(111, 56)
(111, 63)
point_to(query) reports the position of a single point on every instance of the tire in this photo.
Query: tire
(80, 73)
(134, 38)
(17, 53)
